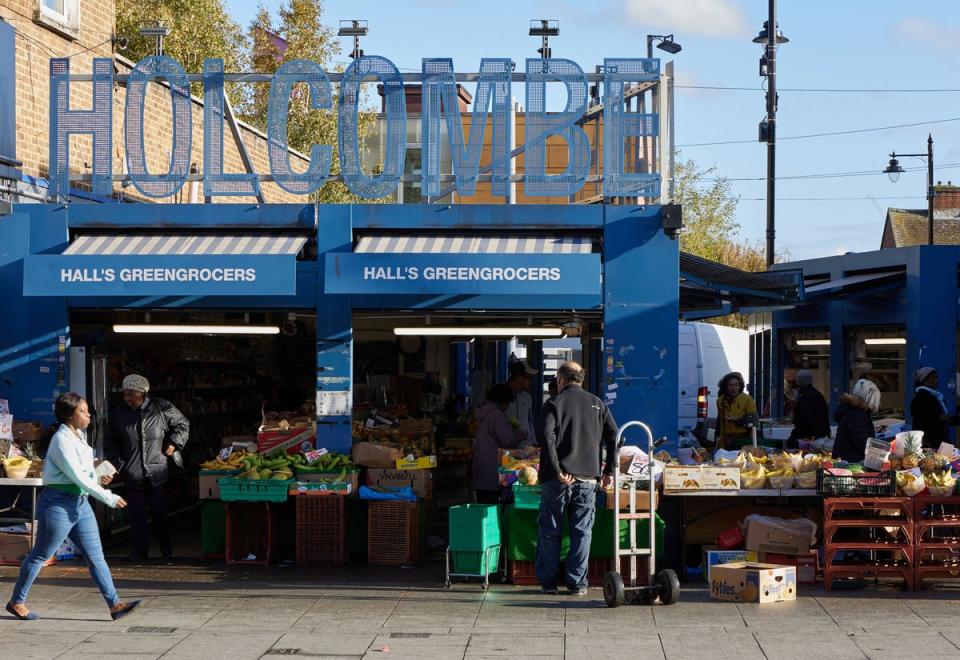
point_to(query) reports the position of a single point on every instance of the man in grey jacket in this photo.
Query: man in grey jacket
(144, 434)
(578, 431)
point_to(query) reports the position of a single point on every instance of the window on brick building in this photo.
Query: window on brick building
(62, 16)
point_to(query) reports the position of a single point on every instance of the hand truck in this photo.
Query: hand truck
(663, 584)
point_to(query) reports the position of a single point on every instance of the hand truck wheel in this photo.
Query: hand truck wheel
(668, 586)
(613, 591)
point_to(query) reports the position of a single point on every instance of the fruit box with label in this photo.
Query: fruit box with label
(713, 557)
(293, 440)
(422, 463)
(682, 477)
(420, 480)
(721, 478)
(749, 582)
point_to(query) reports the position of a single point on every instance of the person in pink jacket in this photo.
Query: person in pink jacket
(494, 433)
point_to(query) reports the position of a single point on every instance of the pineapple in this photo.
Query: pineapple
(912, 451)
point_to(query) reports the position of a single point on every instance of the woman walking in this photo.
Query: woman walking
(63, 509)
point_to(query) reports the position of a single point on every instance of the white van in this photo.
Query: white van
(707, 353)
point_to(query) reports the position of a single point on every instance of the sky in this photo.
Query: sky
(849, 67)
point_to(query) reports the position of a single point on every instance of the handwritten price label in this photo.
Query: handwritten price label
(314, 455)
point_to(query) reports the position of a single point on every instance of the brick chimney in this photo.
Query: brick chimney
(946, 197)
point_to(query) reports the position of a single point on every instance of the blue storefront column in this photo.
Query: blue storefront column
(640, 313)
(34, 334)
(932, 320)
(334, 335)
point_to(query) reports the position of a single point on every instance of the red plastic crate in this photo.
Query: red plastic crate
(321, 529)
(830, 573)
(867, 508)
(251, 530)
(523, 572)
(393, 533)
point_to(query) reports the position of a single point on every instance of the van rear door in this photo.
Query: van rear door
(688, 378)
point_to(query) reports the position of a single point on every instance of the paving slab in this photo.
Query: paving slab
(884, 644)
(26, 644)
(501, 645)
(683, 645)
(871, 611)
(236, 646)
(260, 613)
(697, 614)
(808, 644)
(803, 613)
(125, 645)
(352, 644)
(619, 645)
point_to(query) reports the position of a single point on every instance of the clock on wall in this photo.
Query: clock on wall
(410, 344)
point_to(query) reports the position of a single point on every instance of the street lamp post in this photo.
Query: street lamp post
(894, 170)
(770, 36)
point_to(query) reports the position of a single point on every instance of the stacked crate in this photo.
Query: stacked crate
(321, 529)
(937, 541)
(475, 539)
(879, 530)
(393, 533)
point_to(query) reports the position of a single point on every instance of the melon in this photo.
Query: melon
(527, 476)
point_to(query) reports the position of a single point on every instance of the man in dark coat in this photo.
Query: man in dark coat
(811, 419)
(144, 435)
(928, 410)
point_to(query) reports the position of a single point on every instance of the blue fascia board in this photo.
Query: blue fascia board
(192, 216)
(468, 216)
(501, 302)
(696, 315)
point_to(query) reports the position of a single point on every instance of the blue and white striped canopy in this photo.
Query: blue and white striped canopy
(184, 245)
(474, 245)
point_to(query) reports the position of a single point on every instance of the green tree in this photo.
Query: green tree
(710, 228)
(301, 28)
(199, 29)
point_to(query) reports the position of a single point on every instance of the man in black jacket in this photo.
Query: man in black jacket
(576, 426)
(811, 418)
(144, 434)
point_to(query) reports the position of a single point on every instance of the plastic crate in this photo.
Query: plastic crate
(523, 572)
(393, 533)
(474, 527)
(213, 529)
(470, 562)
(321, 529)
(876, 484)
(251, 532)
(844, 509)
(253, 490)
(526, 497)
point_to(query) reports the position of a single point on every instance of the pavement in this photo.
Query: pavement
(208, 611)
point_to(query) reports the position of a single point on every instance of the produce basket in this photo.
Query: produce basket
(253, 490)
(868, 484)
(476, 562)
(526, 497)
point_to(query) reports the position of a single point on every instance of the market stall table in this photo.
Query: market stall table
(33, 483)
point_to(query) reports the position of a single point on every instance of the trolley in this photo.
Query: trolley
(664, 583)
(487, 558)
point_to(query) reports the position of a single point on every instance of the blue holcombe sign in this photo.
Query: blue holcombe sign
(159, 275)
(492, 101)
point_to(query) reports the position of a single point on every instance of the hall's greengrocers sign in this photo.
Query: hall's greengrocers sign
(492, 102)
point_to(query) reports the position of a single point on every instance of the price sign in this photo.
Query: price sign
(312, 456)
(225, 453)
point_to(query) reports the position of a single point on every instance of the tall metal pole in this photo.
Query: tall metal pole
(930, 192)
(771, 129)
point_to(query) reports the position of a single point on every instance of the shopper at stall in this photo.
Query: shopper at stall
(928, 410)
(145, 434)
(579, 434)
(552, 390)
(520, 410)
(494, 433)
(736, 412)
(63, 509)
(811, 419)
(854, 424)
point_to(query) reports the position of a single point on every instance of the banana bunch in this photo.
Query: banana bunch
(329, 462)
(234, 462)
(257, 467)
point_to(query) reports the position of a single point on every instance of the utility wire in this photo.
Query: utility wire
(932, 90)
(832, 133)
(827, 175)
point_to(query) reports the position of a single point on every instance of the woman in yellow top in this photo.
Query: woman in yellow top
(736, 412)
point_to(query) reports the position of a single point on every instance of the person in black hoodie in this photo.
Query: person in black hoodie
(144, 433)
(577, 427)
(811, 419)
(928, 410)
(855, 425)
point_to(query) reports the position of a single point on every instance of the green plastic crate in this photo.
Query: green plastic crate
(253, 490)
(526, 497)
(474, 527)
(470, 562)
(213, 527)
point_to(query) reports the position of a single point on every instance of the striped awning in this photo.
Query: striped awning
(407, 244)
(184, 245)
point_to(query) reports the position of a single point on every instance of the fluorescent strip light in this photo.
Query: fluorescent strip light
(813, 342)
(885, 341)
(527, 331)
(156, 329)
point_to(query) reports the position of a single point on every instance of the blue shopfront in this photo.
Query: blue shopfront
(325, 279)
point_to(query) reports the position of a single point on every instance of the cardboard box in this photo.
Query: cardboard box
(208, 483)
(780, 536)
(713, 556)
(295, 440)
(13, 547)
(352, 478)
(420, 480)
(683, 477)
(807, 568)
(749, 582)
(422, 463)
(641, 498)
(721, 478)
